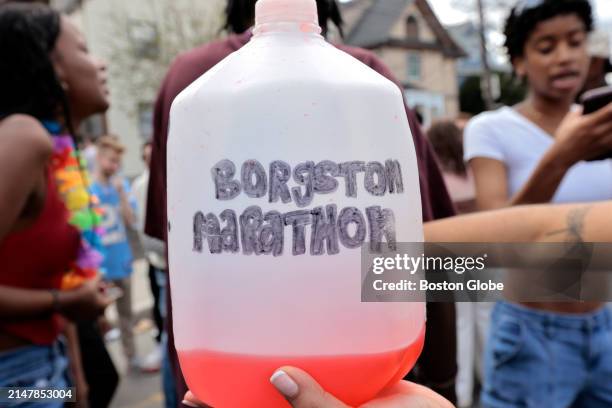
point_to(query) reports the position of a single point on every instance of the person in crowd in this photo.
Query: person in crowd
(155, 252)
(48, 242)
(536, 152)
(437, 367)
(89, 153)
(473, 318)
(446, 138)
(113, 191)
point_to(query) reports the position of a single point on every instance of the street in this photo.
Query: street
(137, 390)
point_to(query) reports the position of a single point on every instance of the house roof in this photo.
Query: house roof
(374, 24)
(373, 28)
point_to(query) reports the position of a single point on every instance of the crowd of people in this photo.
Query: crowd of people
(520, 173)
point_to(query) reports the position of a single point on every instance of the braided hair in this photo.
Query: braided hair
(240, 15)
(28, 81)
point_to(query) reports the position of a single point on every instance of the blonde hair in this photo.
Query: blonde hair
(110, 142)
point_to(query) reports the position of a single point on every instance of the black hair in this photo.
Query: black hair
(28, 82)
(329, 11)
(240, 15)
(522, 22)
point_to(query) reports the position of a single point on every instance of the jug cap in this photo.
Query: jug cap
(283, 11)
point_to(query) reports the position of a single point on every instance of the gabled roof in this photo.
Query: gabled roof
(375, 23)
(373, 28)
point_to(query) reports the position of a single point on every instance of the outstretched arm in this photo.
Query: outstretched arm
(533, 223)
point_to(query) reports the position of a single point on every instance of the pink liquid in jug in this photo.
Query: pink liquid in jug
(227, 380)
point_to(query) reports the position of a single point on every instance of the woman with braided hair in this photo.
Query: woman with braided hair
(49, 247)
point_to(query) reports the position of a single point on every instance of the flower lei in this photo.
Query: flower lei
(84, 213)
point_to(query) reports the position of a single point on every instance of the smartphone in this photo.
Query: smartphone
(594, 100)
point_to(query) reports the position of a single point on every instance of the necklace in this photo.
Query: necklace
(73, 184)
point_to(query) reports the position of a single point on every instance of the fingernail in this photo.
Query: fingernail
(284, 384)
(190, 404)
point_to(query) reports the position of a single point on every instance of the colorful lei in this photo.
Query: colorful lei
(73, 184)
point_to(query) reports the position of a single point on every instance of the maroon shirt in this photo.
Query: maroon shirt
(437, 363)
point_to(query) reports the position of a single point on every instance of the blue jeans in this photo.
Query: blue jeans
(544, 359)
(35, 367)
(168, 384)
(161, 279)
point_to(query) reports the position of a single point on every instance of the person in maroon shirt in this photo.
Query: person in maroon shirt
(436, 367)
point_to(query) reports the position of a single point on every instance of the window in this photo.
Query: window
(414, 66)
(412, 28)
(144, 39)
(145, 120)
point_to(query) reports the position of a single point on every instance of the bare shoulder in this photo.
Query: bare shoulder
(23, 133)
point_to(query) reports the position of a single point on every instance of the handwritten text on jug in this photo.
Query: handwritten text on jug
(262, 233)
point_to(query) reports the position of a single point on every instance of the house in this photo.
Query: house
(409, 38)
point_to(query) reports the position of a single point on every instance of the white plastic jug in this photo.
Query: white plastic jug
(284, 160)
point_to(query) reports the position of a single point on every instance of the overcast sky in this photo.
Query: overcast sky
(448, 15)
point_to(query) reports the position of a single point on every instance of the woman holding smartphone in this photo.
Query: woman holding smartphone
(535, 152)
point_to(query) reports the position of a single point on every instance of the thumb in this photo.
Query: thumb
(574, 113)
(577, 110)
(301, 390)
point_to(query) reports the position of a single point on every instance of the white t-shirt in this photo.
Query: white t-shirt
(511, 138)
(155, 249)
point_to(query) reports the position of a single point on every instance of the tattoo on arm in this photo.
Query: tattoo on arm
(575, 225)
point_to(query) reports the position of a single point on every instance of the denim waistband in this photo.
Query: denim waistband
(598, 320)
(24, 359)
